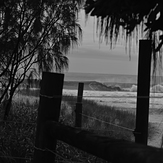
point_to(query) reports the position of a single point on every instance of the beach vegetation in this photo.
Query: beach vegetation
(17, 135)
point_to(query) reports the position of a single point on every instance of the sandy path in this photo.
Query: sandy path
(127, 101)
(157, 138)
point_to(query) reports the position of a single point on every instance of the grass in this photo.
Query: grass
(106, 120)
(108, 116)
(17, 136)
(26, 92)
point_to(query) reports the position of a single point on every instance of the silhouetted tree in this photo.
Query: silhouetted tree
(128, 18)
(35, 32)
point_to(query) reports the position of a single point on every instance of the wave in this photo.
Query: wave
(133, 88)
(154, 89)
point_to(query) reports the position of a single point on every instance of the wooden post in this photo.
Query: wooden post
(143, 92)
(49, 109)
(78, 111)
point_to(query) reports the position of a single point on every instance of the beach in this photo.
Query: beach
(127, 101)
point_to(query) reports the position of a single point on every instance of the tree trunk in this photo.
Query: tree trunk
(7, 108)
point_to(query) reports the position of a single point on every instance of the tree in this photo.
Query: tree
(127, 17)
(35, 32)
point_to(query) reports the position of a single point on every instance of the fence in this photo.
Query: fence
(79, 115)
(90, 117)
(49, 131)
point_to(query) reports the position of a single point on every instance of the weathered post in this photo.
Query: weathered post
(143, 92)
(78, 111)
(49, 109)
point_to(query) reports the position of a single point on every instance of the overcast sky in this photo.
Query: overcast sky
(92, 57)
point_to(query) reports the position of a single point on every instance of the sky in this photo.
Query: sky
(93, 57)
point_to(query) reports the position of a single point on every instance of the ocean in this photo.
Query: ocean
(102, 78)
(121, 80)
(110, 78)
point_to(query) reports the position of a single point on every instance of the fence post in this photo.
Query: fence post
(49, 109)
(143, 92)
(78, 111)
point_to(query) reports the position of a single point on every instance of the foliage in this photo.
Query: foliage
(127, 14)
(130, 19)
(35, 34)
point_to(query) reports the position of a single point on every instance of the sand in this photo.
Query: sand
(127, 101)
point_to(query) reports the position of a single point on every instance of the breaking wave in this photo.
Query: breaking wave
(157, 89)
(154, 89)
(133, 88)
